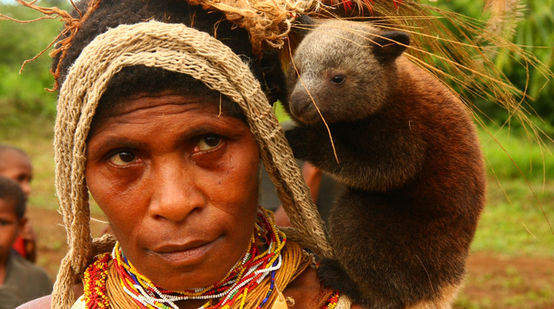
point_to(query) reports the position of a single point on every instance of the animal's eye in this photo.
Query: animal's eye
(123, 158)
(338, 79)
(208, 142)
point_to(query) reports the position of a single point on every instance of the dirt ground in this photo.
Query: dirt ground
(493, 281)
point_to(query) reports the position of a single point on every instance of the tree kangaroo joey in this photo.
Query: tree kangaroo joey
(408, 157)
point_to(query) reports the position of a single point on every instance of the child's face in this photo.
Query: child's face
(17, 167)
(10, 226)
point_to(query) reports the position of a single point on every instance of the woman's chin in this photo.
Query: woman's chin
(180, 270)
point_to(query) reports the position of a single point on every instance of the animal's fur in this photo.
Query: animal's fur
(409, 158)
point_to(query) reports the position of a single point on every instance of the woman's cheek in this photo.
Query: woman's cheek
(111, 186)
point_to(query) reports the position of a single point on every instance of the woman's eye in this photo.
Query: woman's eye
(208, 142)
(123, 158)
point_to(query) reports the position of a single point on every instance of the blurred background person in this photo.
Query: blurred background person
(16, 165)
(20, 280)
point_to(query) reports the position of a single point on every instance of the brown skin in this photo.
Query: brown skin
(17, 166)
(169, 170)
(10, 228)
(191, 178)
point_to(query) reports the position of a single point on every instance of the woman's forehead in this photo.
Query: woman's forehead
(143, 101)
(165, 110)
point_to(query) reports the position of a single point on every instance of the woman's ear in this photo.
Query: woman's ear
(390, 45)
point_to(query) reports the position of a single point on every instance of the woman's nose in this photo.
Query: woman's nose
(175, 193)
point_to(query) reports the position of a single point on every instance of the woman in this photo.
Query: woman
(178, 181)
(173, 165)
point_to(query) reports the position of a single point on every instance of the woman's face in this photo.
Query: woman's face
(178, 182)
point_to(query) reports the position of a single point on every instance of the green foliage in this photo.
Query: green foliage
(513, 289)
(280, 112)
(510, 156)
(513, 222)
(520, 205)
(23, 97)
(535, 36)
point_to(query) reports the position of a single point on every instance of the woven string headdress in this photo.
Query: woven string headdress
(174, 47)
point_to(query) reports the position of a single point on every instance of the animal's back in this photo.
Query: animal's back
(408, 155)
(417, 233)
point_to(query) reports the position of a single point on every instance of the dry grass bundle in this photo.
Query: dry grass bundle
(71, 27)
(456, 48)
(460, 51)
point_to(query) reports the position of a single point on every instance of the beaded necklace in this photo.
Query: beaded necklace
(250, 271)
(331, 303)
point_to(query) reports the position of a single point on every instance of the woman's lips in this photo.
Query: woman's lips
(184, 254)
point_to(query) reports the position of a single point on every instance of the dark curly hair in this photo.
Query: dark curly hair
(112, 13)
(135, 79)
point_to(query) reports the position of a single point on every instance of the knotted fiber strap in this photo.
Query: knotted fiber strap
(174, 47)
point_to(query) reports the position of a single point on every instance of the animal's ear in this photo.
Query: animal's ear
(389, 45)
(272, 76)
(302, 26)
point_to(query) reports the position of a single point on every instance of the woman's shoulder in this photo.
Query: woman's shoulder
(45, 301)
(39, 303)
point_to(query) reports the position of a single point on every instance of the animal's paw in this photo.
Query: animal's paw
(297, 141)
(332, 276)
